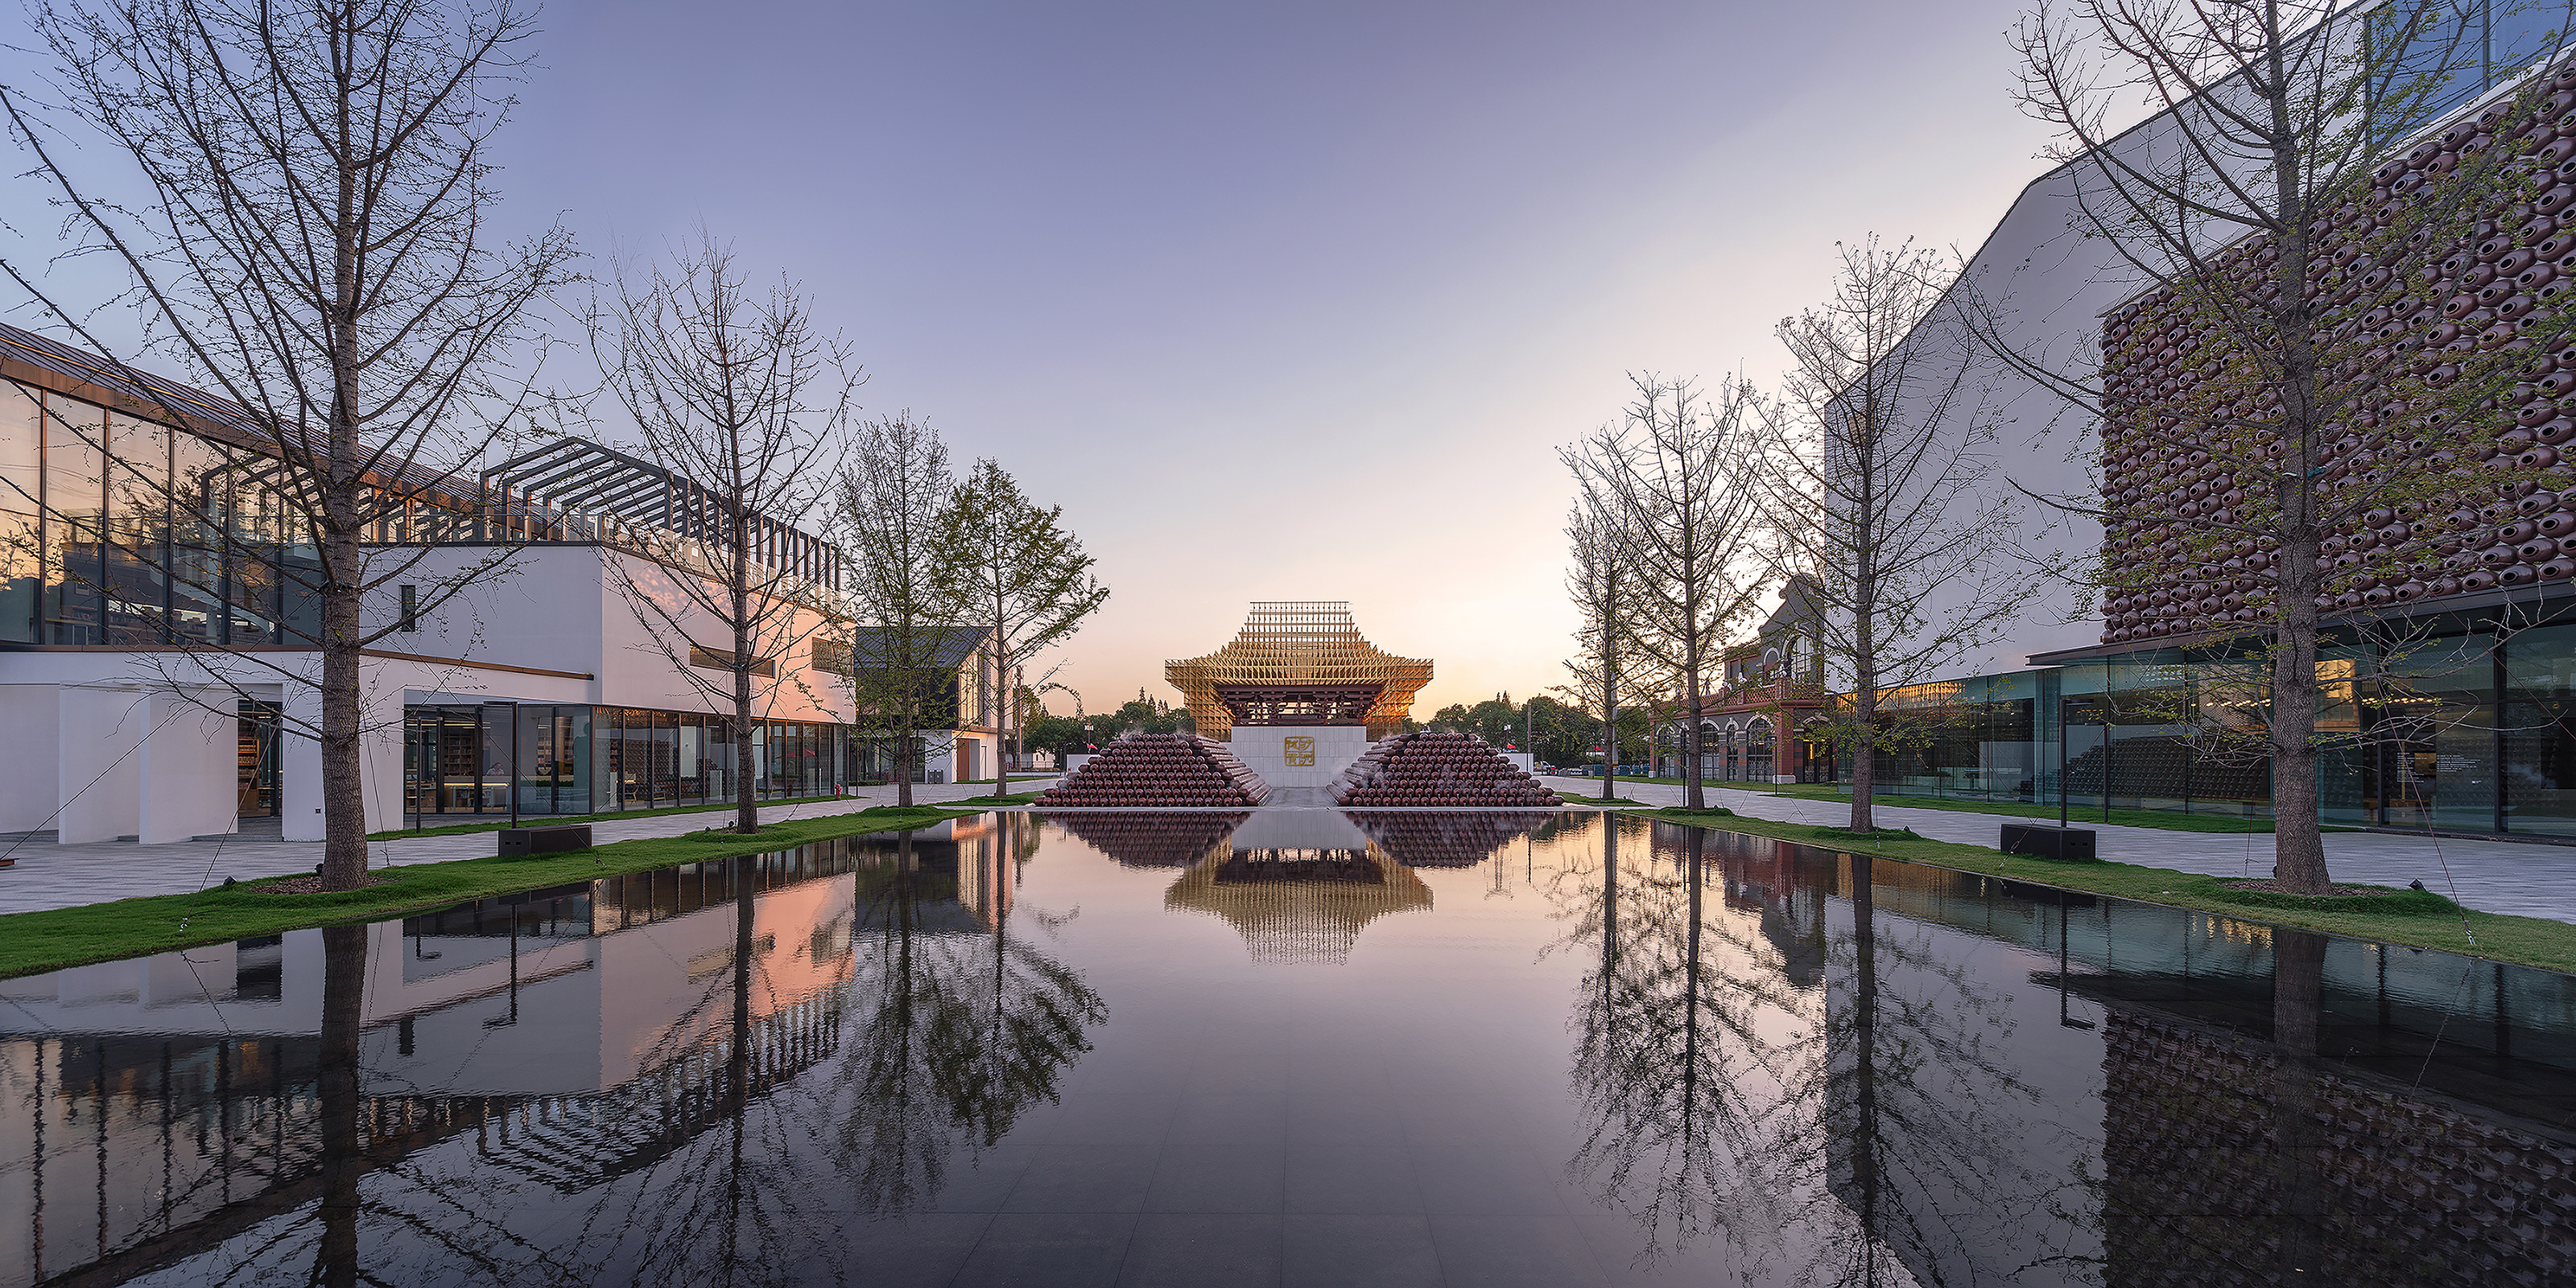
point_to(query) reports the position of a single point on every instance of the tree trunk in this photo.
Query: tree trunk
(2299, 851)
(1609, 729)
(1864, 750)
(1001, 700)
(2299, 855)
(344, 794)
(746, 807)
(903, 752)
(1864, 818)
(746, 804)
(1694, 797)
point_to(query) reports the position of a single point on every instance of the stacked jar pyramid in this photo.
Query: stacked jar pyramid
(1426, 769)
(1159, 771)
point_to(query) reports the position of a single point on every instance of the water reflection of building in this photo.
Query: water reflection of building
(156, 1108)
(1149, 839)
(1299, 904)
(990, 849)
(1445, 840)
(2412, 1190)
(2419, 1138)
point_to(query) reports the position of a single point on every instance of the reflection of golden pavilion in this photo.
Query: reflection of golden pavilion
(1299, 905)
(1299, 664)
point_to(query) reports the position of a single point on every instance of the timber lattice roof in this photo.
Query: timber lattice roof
(1299, 645)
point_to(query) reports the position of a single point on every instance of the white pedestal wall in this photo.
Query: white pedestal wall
(189, 766)
(29, 718)
(1263, 750)
(97, 782)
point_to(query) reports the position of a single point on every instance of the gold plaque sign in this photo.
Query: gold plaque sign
(1298, 751)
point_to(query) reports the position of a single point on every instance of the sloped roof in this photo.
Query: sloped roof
(1299, 644)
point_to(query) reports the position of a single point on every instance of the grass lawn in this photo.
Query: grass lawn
(987, 802)
(2419, 918)
(51, 940)
(2167, 820)
(486, 823)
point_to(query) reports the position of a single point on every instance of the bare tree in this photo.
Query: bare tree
(1604, 592)
(739, 392)
(301, 197)
(1018, 576)
(1681, 473)
(1879, 473)
(2310, 356)
(902, 596)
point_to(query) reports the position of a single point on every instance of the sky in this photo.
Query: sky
(1281, 301)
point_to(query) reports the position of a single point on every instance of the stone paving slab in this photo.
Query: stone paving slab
(2513, 877)
(48, 875)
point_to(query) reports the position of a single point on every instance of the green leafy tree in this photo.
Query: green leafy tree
(1015, 573)
(897, 484)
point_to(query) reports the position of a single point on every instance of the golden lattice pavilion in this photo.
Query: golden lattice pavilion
(1299, 664)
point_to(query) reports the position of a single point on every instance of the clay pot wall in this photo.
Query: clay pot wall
(2507, 515)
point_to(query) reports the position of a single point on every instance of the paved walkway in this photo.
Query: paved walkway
(48, 875)
(2493, 876)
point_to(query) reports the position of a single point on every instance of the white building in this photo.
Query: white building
(155, 635)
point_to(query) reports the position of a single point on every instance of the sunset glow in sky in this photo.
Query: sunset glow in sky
(1284, 301)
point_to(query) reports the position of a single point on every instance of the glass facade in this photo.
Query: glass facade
(458, 758)
(1970, 739)
(2466, 732)
(116, 531)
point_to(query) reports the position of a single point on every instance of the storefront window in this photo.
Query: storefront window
(2540, 731)
(2439, 730)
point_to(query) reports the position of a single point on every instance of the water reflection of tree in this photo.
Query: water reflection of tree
(1870, 1132)
(954, 1033)
(344, 991)
(1683, 1125)
(1939, 1151)
(947, 1029)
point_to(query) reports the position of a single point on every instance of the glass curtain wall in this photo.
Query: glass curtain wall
(22, 529)
(2469, 732)
(587, 760)
(2539, 731)
(1955, 740)
(117, 531)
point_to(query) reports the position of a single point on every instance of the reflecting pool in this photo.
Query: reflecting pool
(1292, 1046)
